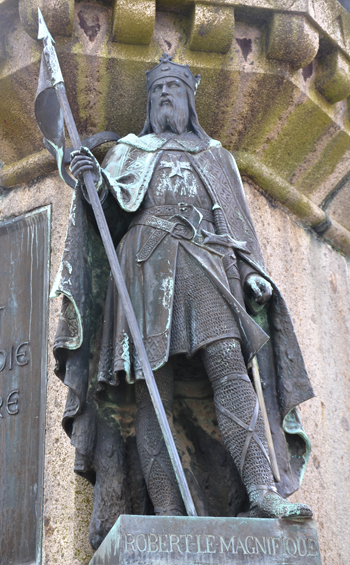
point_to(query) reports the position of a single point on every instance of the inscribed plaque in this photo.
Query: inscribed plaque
(24, 255)
(175, 540)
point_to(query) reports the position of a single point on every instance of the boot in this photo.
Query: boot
(265, 502)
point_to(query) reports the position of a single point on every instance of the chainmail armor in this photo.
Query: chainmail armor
(238, 397)
(155, 462)
(200, 314)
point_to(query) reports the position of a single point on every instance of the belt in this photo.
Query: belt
(172, 210)
(179, 228)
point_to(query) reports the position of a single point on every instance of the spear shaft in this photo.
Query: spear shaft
(260, 395)
(52, 63)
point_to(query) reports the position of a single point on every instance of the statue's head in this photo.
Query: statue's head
(171, 90)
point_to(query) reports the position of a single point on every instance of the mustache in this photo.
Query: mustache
(166, 99)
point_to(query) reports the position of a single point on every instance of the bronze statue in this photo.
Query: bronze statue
(189, 254)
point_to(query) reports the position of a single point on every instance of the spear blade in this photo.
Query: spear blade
(43, 32)
(49, 52)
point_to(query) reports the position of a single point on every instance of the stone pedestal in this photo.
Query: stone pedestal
(154, 540)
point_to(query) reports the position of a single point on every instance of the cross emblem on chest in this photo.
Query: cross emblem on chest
(176, 167)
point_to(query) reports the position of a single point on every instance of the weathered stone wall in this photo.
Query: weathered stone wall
(315, 281)
(277, 77)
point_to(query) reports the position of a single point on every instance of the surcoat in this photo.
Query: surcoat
(169, 273)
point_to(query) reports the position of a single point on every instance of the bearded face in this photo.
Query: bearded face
(169, 106)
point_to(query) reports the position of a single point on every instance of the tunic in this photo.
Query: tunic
(197, 313)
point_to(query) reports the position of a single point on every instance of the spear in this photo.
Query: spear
(56, 81)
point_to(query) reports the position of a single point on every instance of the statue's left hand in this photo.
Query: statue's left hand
(259, 287)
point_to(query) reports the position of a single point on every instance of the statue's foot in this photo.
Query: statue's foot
(267, 503)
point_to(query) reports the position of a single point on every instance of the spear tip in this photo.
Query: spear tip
(43, 32)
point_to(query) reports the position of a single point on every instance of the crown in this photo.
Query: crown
(167, 68)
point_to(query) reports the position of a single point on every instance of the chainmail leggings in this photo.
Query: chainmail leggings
(155, 461)
(239, 419)
(238, 413)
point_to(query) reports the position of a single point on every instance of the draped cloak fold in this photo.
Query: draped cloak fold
(87, 368)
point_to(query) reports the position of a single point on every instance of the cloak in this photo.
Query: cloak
(99, 415)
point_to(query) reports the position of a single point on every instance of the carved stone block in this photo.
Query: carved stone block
(59, 17)
(24, 251)
(292, 39)
(133, 21)
(154, 540)
(333, 77)
(212, 28)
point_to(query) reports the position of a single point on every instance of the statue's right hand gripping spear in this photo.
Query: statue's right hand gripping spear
(55, 107)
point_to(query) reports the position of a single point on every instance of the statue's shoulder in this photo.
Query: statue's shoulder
(222, 155)
(149, 143)
(115, 154)
(227, 160)
(130, 143)
(220, 152)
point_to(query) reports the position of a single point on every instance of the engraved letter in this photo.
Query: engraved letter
(240, 545)
(161, 542)
(176, 542)
(252, 549)
(12, 402)
(144, 542)
(21, 355)
(131, 542)
(312, 546)
(198, 536)
(210, 548)
(257, 543)
(3, 357)
(290, 541)
(11, 359)
(227, 547)
(275, 544)
(1, 416)
(299, 540)
(152, 543)
(187, 536)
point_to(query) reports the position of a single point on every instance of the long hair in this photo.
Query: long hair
(193, 124)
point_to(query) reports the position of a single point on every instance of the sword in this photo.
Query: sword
(57, 83)
(223, 238)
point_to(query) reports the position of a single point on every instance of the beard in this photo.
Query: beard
(169, 117)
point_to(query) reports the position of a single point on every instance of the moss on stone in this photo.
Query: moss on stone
(296, 139)
(326, 163)
(280, 189)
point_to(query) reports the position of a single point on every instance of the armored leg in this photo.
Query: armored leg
(155, 461)
(242, 429)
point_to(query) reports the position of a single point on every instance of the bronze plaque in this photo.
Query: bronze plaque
(24, 256)
(173, 540)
